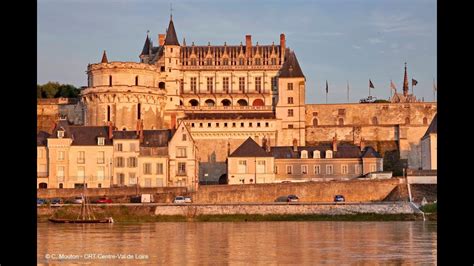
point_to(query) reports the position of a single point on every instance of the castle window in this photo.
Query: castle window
(344, 169)
(193, 84)
(225, 84)
(108, 113)
(289, 169)
(258, 84)
(290, 112)
(171, 49)
(328, 154)
(290, 86)
(274, 83)
(193, 102)
(290, 100)
(110, 81)
(226, 102)
(209, 61)
(161, 85)
(241, 61)
(139, 111)
(250, 124)
(209, 83)
(193, 61)
(242, 102)
(304, 154)
(329, 169)
(375, 121)
(192, 124)
(340, 121)
(225, 61)
(169, 61)
(208, 124)
(241, 83)
(233, 124)
(61, 185)
(241, 124)
(290, 126)
(210, 102)
(274, 61)
(266, 124)
(316, 154)
(257, 61)
(258, 124)
(315, 122)
(136, 80)
(217, 124)
(162, 68)
(317, 169)
(184, 137)
(315, 113)
(181, 85)
(200, 124)
(425, 121)
(225, 124)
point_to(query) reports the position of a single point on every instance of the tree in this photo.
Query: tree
(381, 101)
(56, 90)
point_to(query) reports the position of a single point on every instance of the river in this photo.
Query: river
(204, 243)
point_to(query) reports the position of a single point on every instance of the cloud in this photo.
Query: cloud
(375, 40)
(356, 46)
(402, 23)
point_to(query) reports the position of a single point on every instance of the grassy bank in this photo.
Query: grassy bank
(123, 214)
(430, 208)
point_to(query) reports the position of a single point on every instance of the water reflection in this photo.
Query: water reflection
(244, 242)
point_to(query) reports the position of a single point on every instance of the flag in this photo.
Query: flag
(434, 86)
(327, 86)
(371, 85)
(392, 86)
(414, 82)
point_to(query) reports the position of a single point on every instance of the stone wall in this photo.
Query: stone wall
(262, 209)
(110, 192)
(353, 191)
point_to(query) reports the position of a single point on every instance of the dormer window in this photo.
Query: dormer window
(101, 141)
(304, 154)
(316, 154)
(328, 154)
(60, 134)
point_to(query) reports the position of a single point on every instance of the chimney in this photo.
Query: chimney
(362, 144)
(141, 131)
(283, 46)
(295, 145)
(161, 39)
(334, 142)
(248, 44)
(110, 130)
(264, 143)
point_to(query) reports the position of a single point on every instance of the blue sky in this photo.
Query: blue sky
(334, 40)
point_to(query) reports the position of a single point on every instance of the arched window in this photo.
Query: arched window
(124, 129)
(60, 185)
(210, 102)
(110, 81)
(136, 80)
(181, 103)
(193, 102)
(241, 61)
(161, 85)
(316, 154)
(304, 154)
(209, 61)
(315, 122)
(242, 102)
(375, 121)
(407, 121)
(328, 154)
(425, 121)
(43, 185)
(139, 111)
(226, 102)
(225, 61)
(193, 61)
(340, 121)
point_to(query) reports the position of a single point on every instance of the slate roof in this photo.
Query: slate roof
(119, 134)
(104, 58)
(146, 46)
(156, 138)
(291, 68)
(369, 152)
(41, 138)
(433, 128)
(82, 135)
(344, 150)
(250, 149)
(171, 37)
(232, 116)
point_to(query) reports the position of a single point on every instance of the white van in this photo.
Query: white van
(147, 198)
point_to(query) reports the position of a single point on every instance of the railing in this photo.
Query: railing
(230, 108)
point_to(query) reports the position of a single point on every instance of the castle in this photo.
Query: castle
(225, 94)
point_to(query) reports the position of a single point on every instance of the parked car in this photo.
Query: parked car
(78, 200)
(179, 199)
(339, 198)
(188, 200)
(289, 198)
(41, 201)
(292, 198)
(103, 200)
(143, 198)
(56, 201)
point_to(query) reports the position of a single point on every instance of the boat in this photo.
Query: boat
(86, 216)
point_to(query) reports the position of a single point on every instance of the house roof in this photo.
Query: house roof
(232, 116)
(171, 37)
(291, 68)
(433, 128)
(250, 149)
(82, 135)
(41, 138)
(369, 152)
(344, 150)
(156, 138)
(146, 46)
(120, 134)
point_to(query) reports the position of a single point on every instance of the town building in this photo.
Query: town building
(429, 147)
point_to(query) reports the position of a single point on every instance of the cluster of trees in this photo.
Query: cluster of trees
(56, 90)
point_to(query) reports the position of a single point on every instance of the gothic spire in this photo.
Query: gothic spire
(104, 58)
(146, 46)
(171, 37)
(405, 82)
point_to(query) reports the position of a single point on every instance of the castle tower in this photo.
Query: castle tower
(146, 51)
(173, 72)
(290, 109)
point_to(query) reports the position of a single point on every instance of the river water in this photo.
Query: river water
(249, 243)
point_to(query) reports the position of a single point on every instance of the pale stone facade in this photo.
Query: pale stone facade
(250, 170)
(429, 147)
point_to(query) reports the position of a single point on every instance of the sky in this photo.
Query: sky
(341, 41)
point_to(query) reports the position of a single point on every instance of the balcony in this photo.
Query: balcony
(225, 108)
